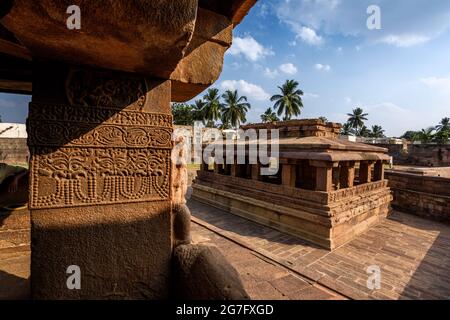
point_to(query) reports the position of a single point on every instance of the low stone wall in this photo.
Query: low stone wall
(436, 155)
(426, 196)
(14, 150)
(328, 219)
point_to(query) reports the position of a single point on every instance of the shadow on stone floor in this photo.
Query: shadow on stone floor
(431, 279)
(244, 227)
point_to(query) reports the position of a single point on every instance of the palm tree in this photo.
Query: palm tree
(323, 119)
(235, 108)
(269, 116)
(212, 107)
(444, 125)
(377, 132)
(290, 101)
(364, 132)
(356, 119)
(198, 110)
(426, 135)
(347, 129)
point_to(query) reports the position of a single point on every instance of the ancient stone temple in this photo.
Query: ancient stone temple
(325, 190)
(99, 133)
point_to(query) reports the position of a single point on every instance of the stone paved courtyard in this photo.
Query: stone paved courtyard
(411, 252)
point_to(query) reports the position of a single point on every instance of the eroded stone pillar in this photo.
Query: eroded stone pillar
(100, 199)
(256, 172)
(347, 174)
(234, 169)
(378, 172)
(365, 172)
(288, 175)
(324, 175)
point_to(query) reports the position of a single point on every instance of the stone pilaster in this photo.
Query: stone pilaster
(100, 185)
(256, 172)
(347, 174)
(288, 175)
(365, 172)
(378, 172)
(324, 175)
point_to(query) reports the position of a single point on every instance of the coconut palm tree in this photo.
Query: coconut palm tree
(323, 119)
(426, 135)
(377, 132)
(213, 106)
(269, 116)
(347, 129)
(198, 110)
(235, 108)
(444, 125)
(289, 102)
(356, 119)
(364, 132)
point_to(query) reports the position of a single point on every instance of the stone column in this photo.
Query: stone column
(234, 169)
(365, 172)
(378, 171)
(288, 175)
(347, 174)
(100, 187)
(324, 175)
(217, 168)
(256, 172)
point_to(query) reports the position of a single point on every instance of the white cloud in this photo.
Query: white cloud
(404, 41)
(404, 23)
(322, 67)
(440, 84)
(249, 48)
(270, 73)
(250, 90)
(288, 68)
(308, 95)
(309, 36)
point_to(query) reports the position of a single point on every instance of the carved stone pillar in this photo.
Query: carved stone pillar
(100, 188)
(365, 172)
(288, 175)
(234, 169)
(347, 174)
(324, 175)
(378, 172)
(217, 168)
(256, 172)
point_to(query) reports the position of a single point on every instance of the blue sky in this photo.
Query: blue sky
(399, 74)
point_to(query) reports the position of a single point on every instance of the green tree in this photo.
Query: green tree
(182, 114)
(213, 106)
(289, 102)
(356, 119)
(198, 110)
(347, 129)
(324, 119)
(442, 136)
(235, 108)
(269, 116)
(411, 135)
(377, 132)
(444, 125)
(365, 132)
(426, 135)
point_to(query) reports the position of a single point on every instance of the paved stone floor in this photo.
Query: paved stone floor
(412, 253)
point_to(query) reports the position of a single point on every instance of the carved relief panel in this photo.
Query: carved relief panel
(102, 147)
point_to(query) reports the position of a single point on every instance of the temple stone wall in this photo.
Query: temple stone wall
(14, 150)
(425, 196)
(419, 154)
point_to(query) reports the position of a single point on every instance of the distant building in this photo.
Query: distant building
(13, 130)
